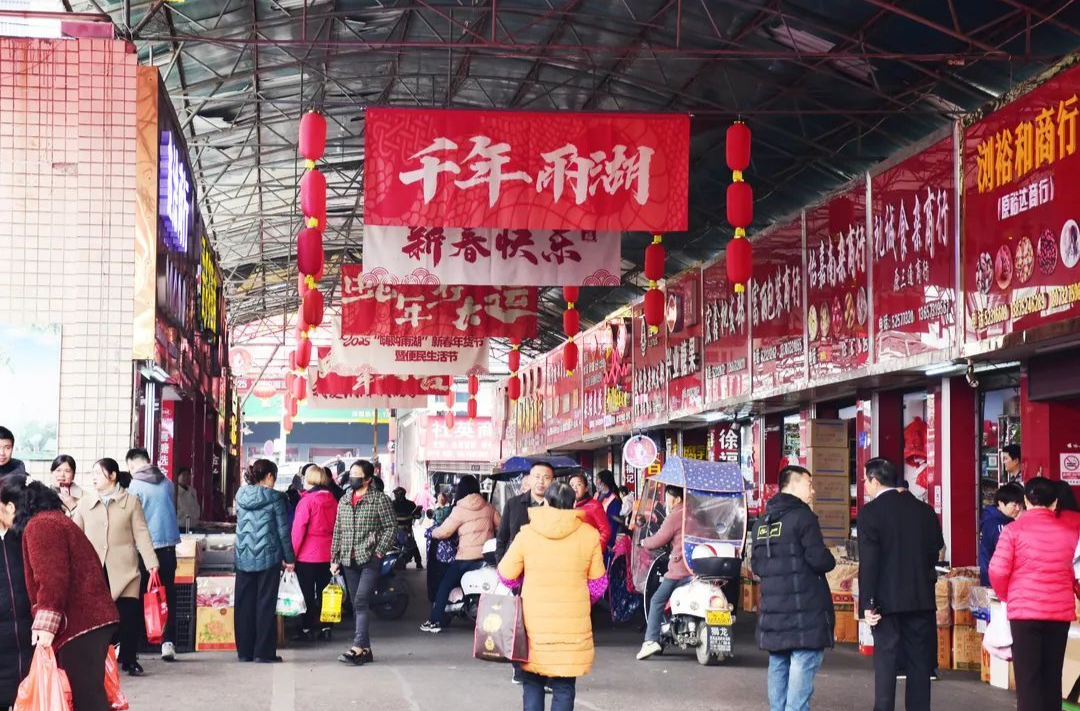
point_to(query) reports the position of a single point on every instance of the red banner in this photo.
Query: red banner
(562, 413)
(776, 309)
(526, 170)
(650, 372)
(369, 307)
(726, 336)
(1021, 262)
(838, 313)
(914, 258)
(367, 390)
(607, 373)
(685, 367)
(469, 441)
(531, 431)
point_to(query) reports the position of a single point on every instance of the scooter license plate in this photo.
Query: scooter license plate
(718, 618)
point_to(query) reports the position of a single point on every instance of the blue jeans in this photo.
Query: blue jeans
(451, 579)
(563, 691)
(791, 678)
(656, 606)
(361, 581)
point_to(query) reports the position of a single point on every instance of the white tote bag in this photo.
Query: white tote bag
(998, 638)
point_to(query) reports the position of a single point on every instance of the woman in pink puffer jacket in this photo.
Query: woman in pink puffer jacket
(312, 534)
(1032, 571)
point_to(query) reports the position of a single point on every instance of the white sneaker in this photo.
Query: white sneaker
(648, 649)
(168, 652)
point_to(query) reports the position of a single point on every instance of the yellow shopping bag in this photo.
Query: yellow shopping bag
(332, 596)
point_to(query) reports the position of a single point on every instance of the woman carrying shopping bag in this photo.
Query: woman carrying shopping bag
(557, 562)
(113, 521)
(73, 610)
(312, 533)
(263, 547)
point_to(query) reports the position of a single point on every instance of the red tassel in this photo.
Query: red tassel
(737, 146)
(570, 357)
(740, 204)
(312, 136)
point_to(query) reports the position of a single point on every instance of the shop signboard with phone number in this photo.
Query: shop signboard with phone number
(562, 421)
(683, 323)
(725, 336)
(777, 315)
(1021, 261)
(650, 372)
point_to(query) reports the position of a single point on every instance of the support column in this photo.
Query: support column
(959, 470)
(772, 447)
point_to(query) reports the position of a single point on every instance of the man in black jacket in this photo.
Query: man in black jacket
(899, 542)
(796, 621)
(516, 512)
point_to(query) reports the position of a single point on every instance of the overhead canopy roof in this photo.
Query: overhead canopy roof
(829, 87)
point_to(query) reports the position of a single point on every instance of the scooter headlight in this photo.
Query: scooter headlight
(717, 602)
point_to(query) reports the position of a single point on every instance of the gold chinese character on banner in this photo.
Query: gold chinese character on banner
(1004, 157)
(1025, 149)
(1044, 138)
(985, 162)
(1066, 127)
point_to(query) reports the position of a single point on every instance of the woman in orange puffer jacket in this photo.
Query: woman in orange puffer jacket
(1032, 571)
(557, 562)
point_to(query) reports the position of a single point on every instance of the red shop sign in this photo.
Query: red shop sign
(685, 387)
(607, 377)
(725, 336)
(526, 170)
(914, 255)
(562, 414)
(650, 372)
(369, 307)
(725, 442)
(469, 441)
(531, 409)
(838, 310)
(776, 309)
(1021, 260)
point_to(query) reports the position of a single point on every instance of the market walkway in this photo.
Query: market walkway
(417, 672)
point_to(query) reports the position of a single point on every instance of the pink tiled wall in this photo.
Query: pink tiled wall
(67, 206)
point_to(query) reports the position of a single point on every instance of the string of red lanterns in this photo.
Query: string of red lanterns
(655, 256)
(740, 206)
(451, 401)
(474, 389)
(513, 361)
(572, 327)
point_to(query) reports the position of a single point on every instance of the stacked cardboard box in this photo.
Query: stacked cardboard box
(967, 641)
(828, 459)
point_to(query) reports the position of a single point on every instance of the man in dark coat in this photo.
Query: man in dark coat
(796, 621)
(899, 542)
(516, 512)
(15, 619)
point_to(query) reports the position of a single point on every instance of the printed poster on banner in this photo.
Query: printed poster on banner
(532, 170)
(370, 306)
(332, 389)
(1021, 258)
(531, 428)
(607, 377)
(838, 310)
(777, 319)
(470, 440)
(508, 257)
(913, 253)
(562, 414)
(640, 452)
(408, 355)
(683, 322)
(725, 336)
(650, 372)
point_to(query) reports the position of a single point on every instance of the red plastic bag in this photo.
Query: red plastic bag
(46, 687)
(117, 700)
(155, 610)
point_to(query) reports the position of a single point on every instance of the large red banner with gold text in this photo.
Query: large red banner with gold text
(562, 414)
(371, 308)
(521, 169)
(650, 372)
(607, 372)
(726, 352)
(1021, 258)
(776, 309)
(531, 408)
(683, 323)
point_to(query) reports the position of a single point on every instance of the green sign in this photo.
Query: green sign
(273, 410)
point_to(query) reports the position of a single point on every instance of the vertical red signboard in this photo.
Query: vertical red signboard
(725, 336)
(607, 377)
(838, 313)
(650, 372)
(562, 413)
(913, 251)
(776, 310)
(725, 442)
(166, 437)
(683, 324)
(530, 409)
(1021, 259)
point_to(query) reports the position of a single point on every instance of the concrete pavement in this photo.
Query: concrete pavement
(423, 672)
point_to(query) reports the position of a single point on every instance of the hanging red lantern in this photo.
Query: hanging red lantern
(740, 263)
(737, 146)
(474, 385)
(299, 390)
(309, 251)
(740, 204)
(302, 326)
(287, 423)
(292, 361)
(302, 287)
(312, 137)
(513, 388)
(571, 294)
(313, 308)
(513, 359)
(290, 378)
(570, 357)
(448, 419)
(313, 198)
(451, 399)
(303, 355)
(571, 320)
(654, 309)
(471, 410)
(655, 256)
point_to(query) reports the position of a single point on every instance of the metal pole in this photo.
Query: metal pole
(375, 436)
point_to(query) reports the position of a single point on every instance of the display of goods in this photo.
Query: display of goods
(984, 272)
(1048, 252)
(1070, 244)
(1003, 268)
(1024, 260)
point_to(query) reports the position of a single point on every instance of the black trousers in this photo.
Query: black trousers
(313, 578)
(130, 632)
(83, 659)
(255, 611)
(167, 572)
(1038, 655)
(911, 635)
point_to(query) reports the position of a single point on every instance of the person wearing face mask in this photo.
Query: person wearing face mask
(364, 533)
(15, 619)
(114, 522)
(63, 471)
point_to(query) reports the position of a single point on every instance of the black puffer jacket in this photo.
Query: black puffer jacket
(790, 557)
(15, 620)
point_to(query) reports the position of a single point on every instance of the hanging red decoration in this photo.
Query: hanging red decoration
(313, 198)
(655, 256)
(570, 357)
(571, 320)
(513, 359)
(299, 390)
(309, 252)
(654, 309)
(472, 408)
(448, 419)
(312, 137)
(740, 204)
(292, 361)
(474, 385)
(513, 388)
(740, 262)
(313, 308)
(287, 423)
(571, 294)
(740, 207)
(290, 378)
(451, 399)
(737, 146)
(303, 328)
(303, 355)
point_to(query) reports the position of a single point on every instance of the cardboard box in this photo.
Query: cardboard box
(214, 629)
(832, 488)
(826, 433)
(984, 671)
(967, 649)
(963, 618)
(191, 546)
(960, 590)
(944, 648)
(846, 628)
(835, 521)
(186, 570)
(828, 461)
(842, 578)
(749, 596)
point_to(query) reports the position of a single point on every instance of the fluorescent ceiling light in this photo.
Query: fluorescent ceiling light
(944, 369)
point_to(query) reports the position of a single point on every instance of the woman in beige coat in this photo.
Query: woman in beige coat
(113, 520)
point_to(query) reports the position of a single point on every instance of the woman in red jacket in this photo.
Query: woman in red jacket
(312, 533)
(1032, 571)
(71, 603)
(595, 515)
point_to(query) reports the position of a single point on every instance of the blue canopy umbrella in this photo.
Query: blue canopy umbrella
(697, 475)
(522, 465)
